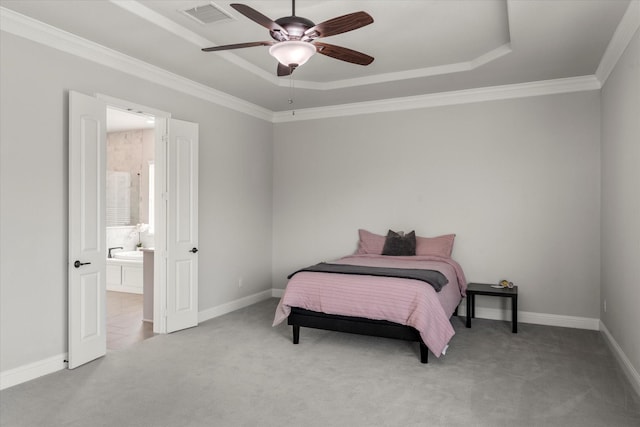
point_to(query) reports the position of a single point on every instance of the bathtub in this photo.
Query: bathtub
(128, 255)
(124, 272)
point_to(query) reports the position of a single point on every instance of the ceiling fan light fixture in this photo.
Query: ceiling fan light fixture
(292, 53)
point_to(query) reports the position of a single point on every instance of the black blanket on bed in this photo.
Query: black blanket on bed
(436, 279)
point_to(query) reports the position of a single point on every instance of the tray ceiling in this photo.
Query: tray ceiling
(420, 47)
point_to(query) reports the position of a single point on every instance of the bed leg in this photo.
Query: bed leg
(424, 353)
(296, 334)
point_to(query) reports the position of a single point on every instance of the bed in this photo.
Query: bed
(406, 308)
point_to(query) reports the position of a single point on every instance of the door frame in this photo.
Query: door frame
(160, 237)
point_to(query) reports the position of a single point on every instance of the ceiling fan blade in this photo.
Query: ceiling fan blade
(283, 70)
(343, 54)
(259, 18)
(339, 25)
(236, 46)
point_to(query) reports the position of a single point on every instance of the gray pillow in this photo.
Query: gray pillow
(400, 244)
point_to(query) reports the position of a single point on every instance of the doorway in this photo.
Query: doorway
(175, 258)
(130, 225)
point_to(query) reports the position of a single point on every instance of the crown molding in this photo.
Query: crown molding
(23, 26)
(491, 93)
(627, 27)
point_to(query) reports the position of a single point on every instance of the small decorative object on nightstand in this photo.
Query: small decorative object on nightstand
(474, 289)
(505, 284)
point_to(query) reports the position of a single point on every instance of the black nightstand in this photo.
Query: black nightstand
(474, 289)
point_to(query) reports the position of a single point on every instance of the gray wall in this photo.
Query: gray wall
(517, 180)
(621, 202)
(235, 192)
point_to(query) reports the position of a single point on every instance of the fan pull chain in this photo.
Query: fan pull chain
(291, 90)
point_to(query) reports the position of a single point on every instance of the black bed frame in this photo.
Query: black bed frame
(355, 325)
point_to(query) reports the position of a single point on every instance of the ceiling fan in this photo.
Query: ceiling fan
(295, 38)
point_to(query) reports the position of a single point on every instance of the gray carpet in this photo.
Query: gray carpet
(236, 370)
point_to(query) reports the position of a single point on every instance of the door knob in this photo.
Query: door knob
(77, 264)
(194, 250)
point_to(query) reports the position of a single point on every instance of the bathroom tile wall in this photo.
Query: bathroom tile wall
(130, 151)
(126, 237)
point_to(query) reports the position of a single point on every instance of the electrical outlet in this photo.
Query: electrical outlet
(240, 282)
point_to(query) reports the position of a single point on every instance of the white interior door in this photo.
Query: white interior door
(87, 259)
(182, 226)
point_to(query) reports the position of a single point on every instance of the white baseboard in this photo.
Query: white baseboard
(228, 307)
(626, 365)
(37, 369)
(32, 371)
(523, 316)
(535, 318)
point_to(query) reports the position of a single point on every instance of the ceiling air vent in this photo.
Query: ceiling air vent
(207, 13)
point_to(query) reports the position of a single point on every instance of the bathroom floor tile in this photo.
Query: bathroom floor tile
(124, 321)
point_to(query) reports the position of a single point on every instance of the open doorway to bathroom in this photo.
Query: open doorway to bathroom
(130, 225)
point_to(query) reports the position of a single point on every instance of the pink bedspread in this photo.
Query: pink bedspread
(404, 301)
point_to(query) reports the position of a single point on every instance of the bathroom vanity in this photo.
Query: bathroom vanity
(125, 272)
(132, 271)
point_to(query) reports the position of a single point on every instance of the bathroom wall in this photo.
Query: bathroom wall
(126, 237)
(130, 151)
